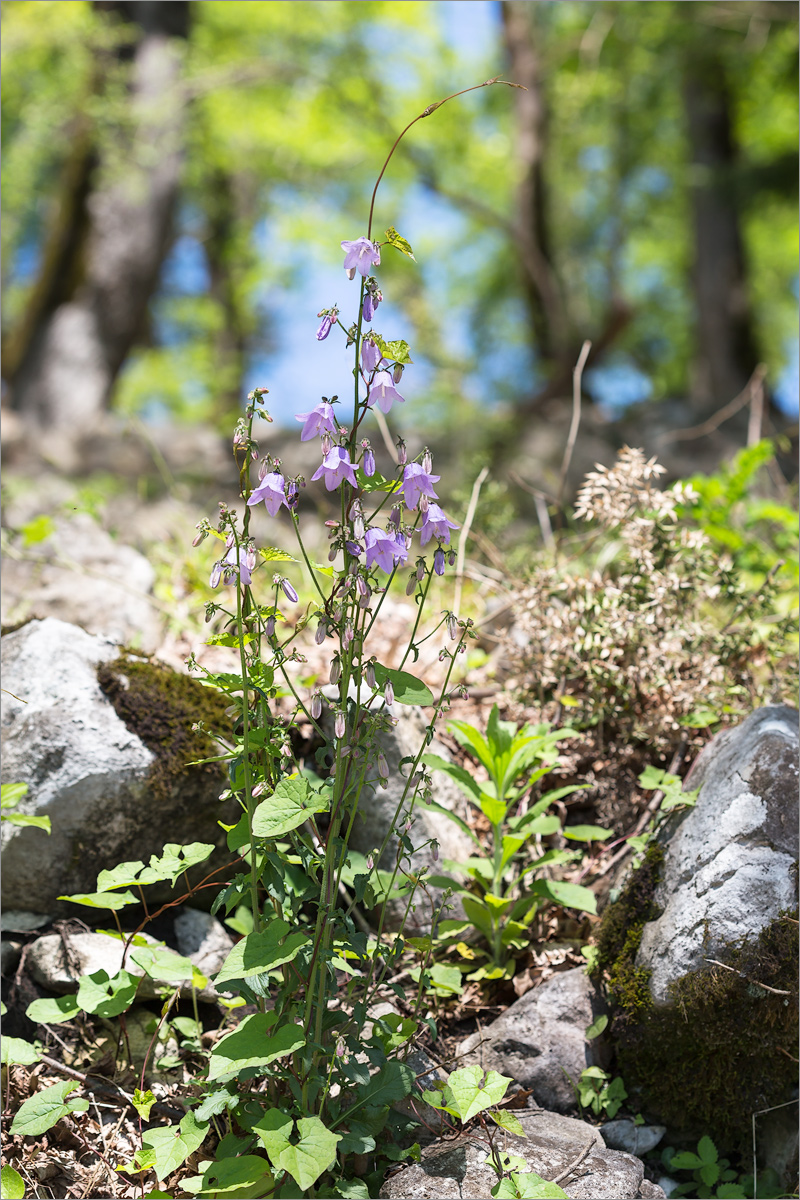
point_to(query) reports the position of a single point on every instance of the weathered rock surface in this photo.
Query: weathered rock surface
(540, 1037)
(202, 939)
(634, 1139)
(82, 575)
(462, 1168)
(727, 863)
(88, 772)
(58, 963)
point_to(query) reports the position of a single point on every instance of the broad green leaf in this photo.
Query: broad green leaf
(48, 1106)
(652, 777)
(472, 739)
(122, 875)
(292, 802)
(12, 793)
(252, 1045)
(53, 1012)
(597, 1026)
(570, 895)
(238, 1178)
(707, 1150)
(478, 914)
(407, 688)
(160, 963)
(393, 1082)
(507, 1120)
(587, 833)
(110, 900)
(17, 1051)
(686, 1160)
(511, 845)
(468, 1092)
(531, 823)
(527, 1185)
(396, 351)
(143, 1102)
(106, 997)
(399, 243)
(21, 820)
(175, 859)
(260, 952)
(171, 1146)
(37, 530)
(496, 904)
(11, 1184)
(306, 1159)
(448, 980)
(273, 554)
(493, 809)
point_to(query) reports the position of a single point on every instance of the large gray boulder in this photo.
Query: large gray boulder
(540, 1040)
(462, 1167)
(110, 799)
(727, 869)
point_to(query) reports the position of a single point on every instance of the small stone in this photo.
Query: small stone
(635, 1139)
(202, 939)
(14, 921)
(9, 956)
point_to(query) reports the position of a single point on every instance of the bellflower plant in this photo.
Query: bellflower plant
(289, 1088)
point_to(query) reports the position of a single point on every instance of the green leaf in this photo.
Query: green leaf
(238, 1178)
(685, 1160)
(707, 1150)
(273, 554)
(407, 688)
(393, 238)
(306, 1159)
(472, 739)
(709, 1173)
(587, 833)
(160, 963)
(37, 530)
(570, 895)
(394, 351)
(493, 809)
(11, 1184)
(17, 1051)
(172, 1145)
(48, 1106)
(292, 802)
(106, 997)
(53, 1012)
(110, 900)
(468, 1092)
(12, 793)
(507, 1120)
(478, 914)
(464, 779)
(143, 1102)
(21, 819)
(527, 1185)
(531, 824)
(260, 952)
(393, 1082)
(251, 1045)
(597, 1026)
(446, 980)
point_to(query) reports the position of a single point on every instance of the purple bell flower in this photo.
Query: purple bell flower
(336, 466)
(435, 524)
(325, 327)
(360, 255)
(384, 549)
(383, 392)
(370, 355)
(319, 420)
(272, 491)
(417, 482)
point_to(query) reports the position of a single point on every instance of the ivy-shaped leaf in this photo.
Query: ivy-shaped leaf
(251, 1045)
(306, 1159)
(53, 1012)
(11, 1184)
(407, 688)
(468, 1092)
(260, 952)
(292, 802)
(168, 1148)
(42, 1111)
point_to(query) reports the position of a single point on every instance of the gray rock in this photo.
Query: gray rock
(202, 939)
(428, 1074)
(10, 953)
(22, 922)
(58, 970)
(82, 575)
(462, 1169)
(635, 1139)
(727, 864)
(540, 1039)
(88, 772)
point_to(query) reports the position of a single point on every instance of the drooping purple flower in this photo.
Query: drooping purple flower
(353, 548)
(272, 491)
(417, 482)
(438, 561)
(383, 392)
(368, 462)
(435, 524)
(384, 549)
(370, 355)
(336, 466)
(368, 310)
(359, 256)
(289, 591)
(328, 322)
(319, 420)
(244, 557)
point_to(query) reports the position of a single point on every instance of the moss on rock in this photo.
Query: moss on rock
(161, 707)
(725, 1047)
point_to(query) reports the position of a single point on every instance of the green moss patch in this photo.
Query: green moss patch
(161, 707)
(726, 1047)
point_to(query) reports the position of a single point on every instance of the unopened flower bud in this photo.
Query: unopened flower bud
(324, 328)
(289, 591)
(427, 461)
(316, 706)
(452, 626)
(420, 569)
(412, 584)
(358, 527)
(347, 635)
(334, 550)
(383, 767)
(394, 517)
(269, 628)
(340, 1048)
(336, 669)
(216, 574)
(361, 584)
(368, 310)
(423, 503)
(198, 538)
(451, 558)
(402, 455)
(326, 444)
(370, 860)
(388, 692)
(339, 725)
(368, 465)
(369, 674)
(363, 601)
(435, 850)
(397, 373)
(320, 635)
(438, 561)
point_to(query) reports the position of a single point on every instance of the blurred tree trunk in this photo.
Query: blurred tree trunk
(224, 253)
(725, 352)
(108, 242)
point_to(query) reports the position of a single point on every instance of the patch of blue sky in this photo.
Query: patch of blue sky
(472, 27)
(27, 261)
(185, 270)
(595, 158)
(787, 389)
(617, 385)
